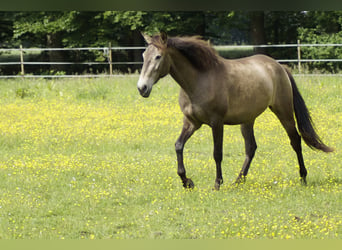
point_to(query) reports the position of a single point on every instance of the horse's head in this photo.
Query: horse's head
(156, 63)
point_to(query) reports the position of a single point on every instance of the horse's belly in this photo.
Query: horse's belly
(243, 114)
(246, 103)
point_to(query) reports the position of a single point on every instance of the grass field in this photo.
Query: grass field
(91, 159)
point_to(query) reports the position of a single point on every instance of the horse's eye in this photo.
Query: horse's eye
(158, 57)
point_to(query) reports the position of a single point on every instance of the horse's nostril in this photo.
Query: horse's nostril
(143, 89)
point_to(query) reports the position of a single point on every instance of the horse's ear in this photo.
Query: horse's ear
(147, 38)
(163, 37)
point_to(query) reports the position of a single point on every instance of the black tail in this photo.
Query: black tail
(304, 120)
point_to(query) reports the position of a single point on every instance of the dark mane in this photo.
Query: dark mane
(199, 52)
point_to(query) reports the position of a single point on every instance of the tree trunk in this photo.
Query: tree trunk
(54, 41)
(136, 39)
(200, 27)
(257, 30)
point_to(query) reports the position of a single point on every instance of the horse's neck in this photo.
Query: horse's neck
(183, 72)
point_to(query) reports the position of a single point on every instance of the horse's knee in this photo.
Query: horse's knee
(178, 147)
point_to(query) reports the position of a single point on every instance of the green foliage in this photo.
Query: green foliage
(132, 19)
(43, 23)
(309, 36)
(177, 23)
(324, 28)
(6, 32)
(122, 28)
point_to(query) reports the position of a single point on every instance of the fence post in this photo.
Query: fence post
(110, 58)
(299, 56)
(22, 60)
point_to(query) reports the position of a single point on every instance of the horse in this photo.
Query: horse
(217, 92)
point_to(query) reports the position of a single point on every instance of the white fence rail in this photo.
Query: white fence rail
(107, 52)
(298, 60)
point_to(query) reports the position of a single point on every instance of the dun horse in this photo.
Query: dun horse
(216, 91)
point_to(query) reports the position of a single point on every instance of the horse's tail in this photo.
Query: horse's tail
(304, 120)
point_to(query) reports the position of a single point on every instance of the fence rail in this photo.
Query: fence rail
(107, 52)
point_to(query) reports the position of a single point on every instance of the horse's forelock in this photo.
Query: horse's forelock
(157, 41)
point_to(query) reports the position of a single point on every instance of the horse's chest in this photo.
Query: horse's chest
(199, 113)
(203, 108)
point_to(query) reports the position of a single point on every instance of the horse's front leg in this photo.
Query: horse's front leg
(187, 132)
(217, 131)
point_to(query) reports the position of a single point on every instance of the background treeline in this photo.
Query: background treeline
(122, 28)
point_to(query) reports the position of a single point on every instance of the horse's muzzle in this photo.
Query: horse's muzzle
(144, 91)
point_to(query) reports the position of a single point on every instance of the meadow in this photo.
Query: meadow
(91, 159)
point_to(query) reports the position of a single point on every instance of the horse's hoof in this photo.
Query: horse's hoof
(303, 181)
(218, 183)
(217, 187)
(188, 184)
(240, 180)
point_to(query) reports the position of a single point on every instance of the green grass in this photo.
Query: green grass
(237, 52)
(91, 159)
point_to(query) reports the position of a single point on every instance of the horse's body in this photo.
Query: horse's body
(231, 98)
(216, 91)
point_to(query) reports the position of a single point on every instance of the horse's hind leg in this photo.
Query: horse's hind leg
(250, 148)
(288, 122)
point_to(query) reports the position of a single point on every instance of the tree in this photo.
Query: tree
(44, 29)
(281, 28)
(122, 28)
(323, 28)
(6, 31)
(257, 29)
